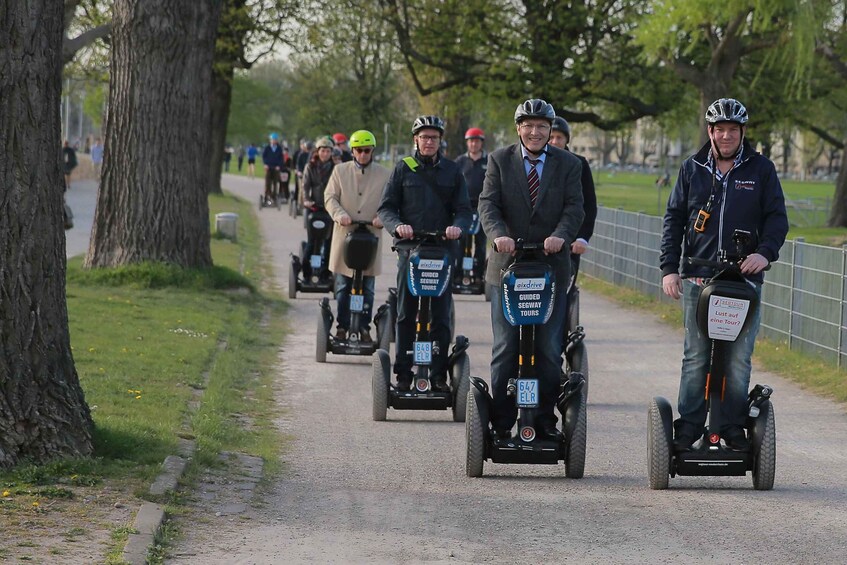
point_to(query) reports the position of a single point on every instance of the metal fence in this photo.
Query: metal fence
(803, 296)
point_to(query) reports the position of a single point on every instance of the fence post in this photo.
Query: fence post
(795, 256)
(841, 301)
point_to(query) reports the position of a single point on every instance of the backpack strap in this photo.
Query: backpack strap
(412, 163)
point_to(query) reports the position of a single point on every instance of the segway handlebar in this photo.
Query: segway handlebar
(521, 245)
(727, 263)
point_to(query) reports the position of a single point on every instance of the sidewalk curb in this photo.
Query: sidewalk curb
(147, 523)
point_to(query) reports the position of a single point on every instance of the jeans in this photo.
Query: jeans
(504, 360)
(407, 310)
(342, 295)
(695, 365)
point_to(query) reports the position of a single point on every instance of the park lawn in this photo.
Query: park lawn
(148, 341)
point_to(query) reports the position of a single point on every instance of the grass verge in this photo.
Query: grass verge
(774, 356)
(148, 342)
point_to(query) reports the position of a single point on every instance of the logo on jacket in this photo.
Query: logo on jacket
(745, 185)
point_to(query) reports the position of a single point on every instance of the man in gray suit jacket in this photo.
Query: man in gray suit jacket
(544, 205)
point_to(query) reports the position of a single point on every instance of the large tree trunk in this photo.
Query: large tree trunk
(221, 100)
(43, 414)
(153, 200)
(838, 216)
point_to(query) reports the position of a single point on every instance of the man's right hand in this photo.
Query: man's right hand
(672, 285)
(266, 167)
(405, 231)
(504, 244)
(345, 220)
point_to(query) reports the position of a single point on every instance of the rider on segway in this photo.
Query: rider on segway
(473, 165)
(425, 193)
(532, 191)
(315, 179)
(724, 187)
(274, 163)
(353, 194)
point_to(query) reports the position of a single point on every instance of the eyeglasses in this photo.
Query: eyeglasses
(428, 138)
(365, 150)
(540, 128)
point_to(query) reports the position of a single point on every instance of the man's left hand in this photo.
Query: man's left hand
(754, 263)
(377, 223)
(453, 232)
(553, 244)
(578, 247)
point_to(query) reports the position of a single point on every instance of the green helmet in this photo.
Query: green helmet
(362, 138)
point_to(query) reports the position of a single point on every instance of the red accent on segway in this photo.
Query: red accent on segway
(422, 385)
(714, 439)
(527, 433)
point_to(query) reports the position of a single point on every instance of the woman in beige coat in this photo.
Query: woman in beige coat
(353, 194)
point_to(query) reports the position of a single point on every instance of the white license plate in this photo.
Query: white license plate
(527, 393)
(423, 352)
(467, 263)
(315, 261)
(357, 303)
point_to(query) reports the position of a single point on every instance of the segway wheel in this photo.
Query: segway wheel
(573, 309)
(261, 202)
(461, 382)
(383, 331)
(576, 432)
(292, 281)
(764, 445)
(658, 443)
(322, 338)
(379, 384)
(579, 364)
(475, 437)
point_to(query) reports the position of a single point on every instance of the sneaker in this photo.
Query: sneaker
(365, 337)
(684, 436)
(404, 381)
(736, 439)
(341, 334)
(439, 383)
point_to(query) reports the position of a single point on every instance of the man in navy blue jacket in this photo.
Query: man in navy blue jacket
(274, 162)
(731, 186)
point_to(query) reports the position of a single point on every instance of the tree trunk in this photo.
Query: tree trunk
(838, 216)
(153, 199)
(221, 100)
(43, 414)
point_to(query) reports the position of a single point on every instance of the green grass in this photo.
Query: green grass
(146, 341)
(637, 192)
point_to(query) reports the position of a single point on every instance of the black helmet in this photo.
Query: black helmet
(423, 122)
(726, 110)
(534, 108)
(562, 125)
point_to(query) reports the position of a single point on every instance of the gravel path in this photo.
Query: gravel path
(354, 490)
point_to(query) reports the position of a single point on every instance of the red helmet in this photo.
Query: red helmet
(339, 138)
(475, 133)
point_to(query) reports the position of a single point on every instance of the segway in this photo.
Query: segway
(312, 263)
(467, 281)
(274, 200)
(576, 352)
(529, 291)
(360, 249)
(724, 307)
(429, 274)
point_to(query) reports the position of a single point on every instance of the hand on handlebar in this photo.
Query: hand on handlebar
(453, 232)
(376, 222)
(672, 285)
(504, 244)
(345, 220)
(405, 231)
(578, 247)
(753, 264)
(553, 244)
(308, 203)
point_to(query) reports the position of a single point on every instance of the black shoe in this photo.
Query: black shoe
(404, 382)
(736, 439)
(439, 384)
(551, 432)
(684, 436)
(502, 434)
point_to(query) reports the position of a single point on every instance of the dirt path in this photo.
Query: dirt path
(354, 490)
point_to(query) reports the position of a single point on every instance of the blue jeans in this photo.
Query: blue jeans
(695, 365)
(342, 295)
(407, 310)
(504, 359)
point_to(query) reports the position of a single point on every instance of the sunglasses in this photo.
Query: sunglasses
(365, 150)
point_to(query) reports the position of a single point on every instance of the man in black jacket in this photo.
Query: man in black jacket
(726, 186)
(426, 192)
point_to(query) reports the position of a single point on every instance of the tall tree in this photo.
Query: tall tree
(43, 414)
(152, 204)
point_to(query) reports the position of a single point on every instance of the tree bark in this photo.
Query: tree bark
(43, 414)
(153, 199)
(838, 215)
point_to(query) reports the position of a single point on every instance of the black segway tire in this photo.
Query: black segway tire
(474, 436)
(383, 331)
(579, 364)
(261, 202)
(461, 383)
(379, 384)
(292, 281)
(764, 450)
(573, 310)
(658, 443)
(322, 341)
(576, 437)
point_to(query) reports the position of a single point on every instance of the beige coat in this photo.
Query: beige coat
(355, 192)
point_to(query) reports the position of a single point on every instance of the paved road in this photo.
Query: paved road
(82, 198)
(354, 490)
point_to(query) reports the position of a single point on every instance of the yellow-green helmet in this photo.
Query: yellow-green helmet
(362, 138)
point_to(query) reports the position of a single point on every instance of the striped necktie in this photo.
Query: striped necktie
(533, 181)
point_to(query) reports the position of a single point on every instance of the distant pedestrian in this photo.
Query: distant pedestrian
(228, 151)
(252, 151)
(240, 157)
(97, 156)
(69, 162)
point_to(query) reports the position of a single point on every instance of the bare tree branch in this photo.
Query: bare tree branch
(71, 46)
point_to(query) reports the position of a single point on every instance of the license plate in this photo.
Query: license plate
(315, 261)
(357, 303)
(467, 263)
(527, 393)
(423, 352)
